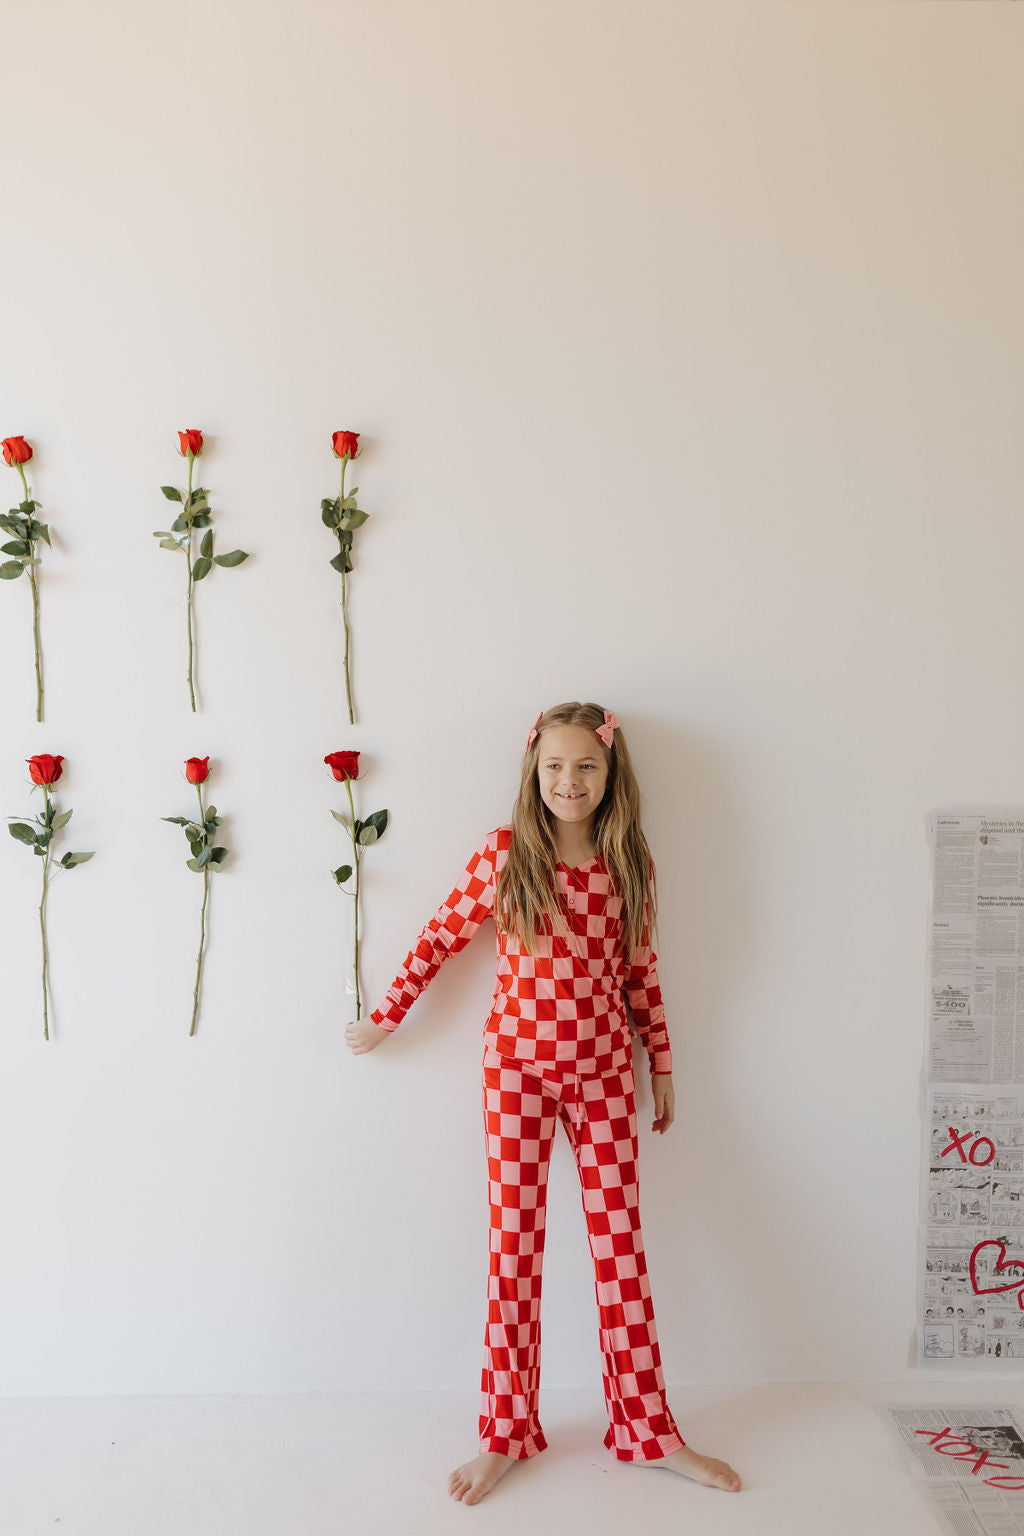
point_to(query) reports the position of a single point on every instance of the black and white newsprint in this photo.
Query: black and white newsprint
(971, 1461)
(971, 1290)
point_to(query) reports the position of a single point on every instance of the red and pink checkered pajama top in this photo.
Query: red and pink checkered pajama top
(562, 1005)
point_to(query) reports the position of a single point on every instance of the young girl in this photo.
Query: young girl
(570, 884)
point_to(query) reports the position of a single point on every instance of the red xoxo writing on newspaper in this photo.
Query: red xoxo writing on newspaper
(966, 1451)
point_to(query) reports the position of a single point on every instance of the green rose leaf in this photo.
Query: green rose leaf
(201, 568)
(22, 832)
(179, 525)
(11, 523)
(62, 820)
(218, 855)
(349, 503)
(329, 513)
(342, 562)
(342, 873)
(169, 544)
(39, 531)
(71, 859)
(378, 820)
(171, 492)
(234, 557)
(206, 547)
(354, 519)
(202, 520)
(179, 821)
(17, 547)
(367, 834)
(339, 817)
(10, 569)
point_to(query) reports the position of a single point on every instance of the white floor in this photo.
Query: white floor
(815, 1459)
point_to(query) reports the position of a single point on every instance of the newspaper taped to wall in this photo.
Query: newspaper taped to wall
(976, 982)
(971, 1460)
(972, 1294)
(971, 1291)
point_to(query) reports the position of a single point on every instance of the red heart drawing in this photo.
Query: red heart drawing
(1001, 1264)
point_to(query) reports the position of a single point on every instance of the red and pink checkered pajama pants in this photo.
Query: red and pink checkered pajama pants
(522, 1102)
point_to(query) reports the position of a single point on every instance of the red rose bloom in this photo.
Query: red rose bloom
(16, 451)
(345, 443)
(344, 765)
(191, 442)
(196, 769)
(44, 768)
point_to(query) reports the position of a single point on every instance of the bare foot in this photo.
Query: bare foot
(475, 1479)
(703, 1469)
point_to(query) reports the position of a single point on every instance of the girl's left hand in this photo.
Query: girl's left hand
(664, 1101)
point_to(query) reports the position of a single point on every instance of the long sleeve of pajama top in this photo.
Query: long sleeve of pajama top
(563, 1005)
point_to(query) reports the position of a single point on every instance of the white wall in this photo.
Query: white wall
(686, 341)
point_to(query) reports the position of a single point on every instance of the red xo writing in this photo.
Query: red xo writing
(957, 1145)
(947, 1444)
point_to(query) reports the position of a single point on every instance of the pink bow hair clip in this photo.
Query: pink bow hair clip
(533, 732)
(607, 730)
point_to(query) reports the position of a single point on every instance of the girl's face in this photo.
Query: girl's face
(572, 772)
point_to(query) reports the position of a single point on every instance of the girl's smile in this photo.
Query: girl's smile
(572, 773)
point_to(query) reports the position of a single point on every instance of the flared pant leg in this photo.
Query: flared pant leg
(519, 1128)
(521, 1107)
(603, 1133)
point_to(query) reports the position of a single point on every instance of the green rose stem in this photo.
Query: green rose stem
(188, 606)
(355, 847)
(344, 619)
(35, 611)
(47, 818)
(202, 914)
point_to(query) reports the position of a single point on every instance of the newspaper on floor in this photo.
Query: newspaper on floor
(971, 1459)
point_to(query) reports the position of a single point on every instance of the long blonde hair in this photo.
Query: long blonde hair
(525, 901)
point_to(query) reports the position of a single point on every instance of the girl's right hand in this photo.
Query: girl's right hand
(363, 1037)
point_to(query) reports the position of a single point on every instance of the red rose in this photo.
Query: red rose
(16, 451)
(344, 765)
(44, 768)
(191, 442)
(345, 444)
(196, 769)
